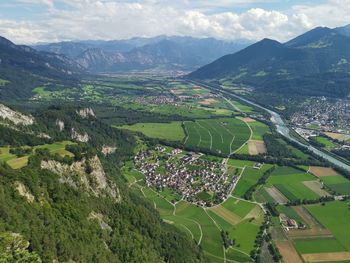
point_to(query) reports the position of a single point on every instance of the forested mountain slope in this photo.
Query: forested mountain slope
(315, 63)
(78, 207)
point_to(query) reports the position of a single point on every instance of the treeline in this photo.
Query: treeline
(275, 147)
(262, 180)
(345, 153)
(114, 115)
(17, 138)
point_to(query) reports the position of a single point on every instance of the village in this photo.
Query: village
(189, 175)
(325, 115)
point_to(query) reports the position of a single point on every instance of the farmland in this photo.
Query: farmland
(169, 131)
(337, 183)
(258, 129)
(338, 224)
(249, 177)
(224, 135)
(289, 182)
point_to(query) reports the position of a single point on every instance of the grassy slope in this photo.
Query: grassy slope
(169, 131)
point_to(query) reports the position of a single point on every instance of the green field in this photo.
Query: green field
(19, 162)
(249, 178)
(172, 131)
(262, 196)
(289, 182)
(336, 217)
(318, 245)
(240, 163)
(337, 183)
(326, 142)
(242, 107)
(224, 135)
(259, 129)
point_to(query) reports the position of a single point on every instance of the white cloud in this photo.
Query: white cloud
(107, 19)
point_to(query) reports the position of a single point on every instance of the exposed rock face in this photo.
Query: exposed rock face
(79, 137)
(108, 149)
(86, 113)
(15, 117)
(60, 124)
(100, 218)
(23, 191)
(44, 135)
(76, 175)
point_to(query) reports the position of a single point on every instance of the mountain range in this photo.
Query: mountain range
(314, 63)
(162, 52)
(22, 68)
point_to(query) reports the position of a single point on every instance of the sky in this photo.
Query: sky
(33, 21)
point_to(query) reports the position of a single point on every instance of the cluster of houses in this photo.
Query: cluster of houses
(333, 116)
(186, 174)
(157, 100)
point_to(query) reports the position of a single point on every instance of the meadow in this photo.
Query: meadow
(172, 131)
(259, 129)
(225, 135)
(318, 245)
(338, 223)
(337, 183)
(19, 162)
(249, 178)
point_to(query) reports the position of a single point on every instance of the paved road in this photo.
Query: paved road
(281, 127)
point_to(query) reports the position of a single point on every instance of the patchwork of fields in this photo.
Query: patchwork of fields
(290, 183)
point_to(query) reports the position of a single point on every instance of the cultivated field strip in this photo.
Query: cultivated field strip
(220, 135)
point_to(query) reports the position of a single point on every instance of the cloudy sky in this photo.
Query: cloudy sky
(30, 21)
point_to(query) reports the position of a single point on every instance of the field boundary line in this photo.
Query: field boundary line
(190, 219)
(200, 136)
(187, 230)
(186, 132)
(211, 137)
(231, 103)
(213, 127)
(250, 137)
